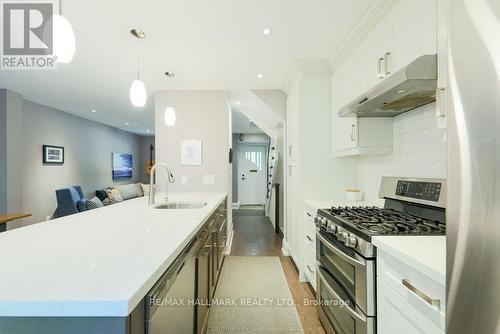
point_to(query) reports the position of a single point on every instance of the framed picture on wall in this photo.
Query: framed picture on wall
(53, 154)
(122, 166)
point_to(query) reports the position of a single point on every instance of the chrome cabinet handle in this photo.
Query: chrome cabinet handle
(419, 293)
(380, 61)
(309, 238)
(309, 268)
(353, 130)
(386, 63)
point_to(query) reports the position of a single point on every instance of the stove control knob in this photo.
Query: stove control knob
(342, 236)
(329, 227)
(317, 222)
(351, 241)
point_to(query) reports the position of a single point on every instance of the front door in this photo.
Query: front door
(252, 174)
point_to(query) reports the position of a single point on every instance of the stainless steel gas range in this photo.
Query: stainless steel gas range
(346, 272)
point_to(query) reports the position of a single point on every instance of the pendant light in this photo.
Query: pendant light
(64, 44)
(169, 116)
(138, 94)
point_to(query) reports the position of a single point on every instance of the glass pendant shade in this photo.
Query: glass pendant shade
(63, 39)
(138, 95)
(169, 116)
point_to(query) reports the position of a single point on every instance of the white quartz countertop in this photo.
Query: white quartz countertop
(97, 263)
(426, 254)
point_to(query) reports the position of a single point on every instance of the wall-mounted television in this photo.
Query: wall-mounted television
(122, 166)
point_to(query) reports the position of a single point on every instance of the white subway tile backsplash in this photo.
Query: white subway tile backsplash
(418, 150)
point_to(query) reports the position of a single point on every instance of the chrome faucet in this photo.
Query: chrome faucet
(152, 181)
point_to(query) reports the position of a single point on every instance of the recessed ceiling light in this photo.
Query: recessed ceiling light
(138, 33)
(238, 102)
(260, 76)
(148, 131)
(93, 110)
(401, 91)
(127, 123)
(267, 31)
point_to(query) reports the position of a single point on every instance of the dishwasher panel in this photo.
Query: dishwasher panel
(170, 304)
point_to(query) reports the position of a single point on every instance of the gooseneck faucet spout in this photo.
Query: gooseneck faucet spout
(152, 181)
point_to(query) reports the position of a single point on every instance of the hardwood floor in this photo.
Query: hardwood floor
(253, 236)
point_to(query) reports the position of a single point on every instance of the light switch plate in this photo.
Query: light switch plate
(208, 179)
(184, 179)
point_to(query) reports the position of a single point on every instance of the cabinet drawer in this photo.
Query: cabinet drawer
(424, 294)
(310, 268)
(397, 314)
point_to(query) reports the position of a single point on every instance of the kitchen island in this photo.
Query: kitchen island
(97, 264)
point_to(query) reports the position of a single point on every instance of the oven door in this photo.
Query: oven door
(335, 309)
(354, 273)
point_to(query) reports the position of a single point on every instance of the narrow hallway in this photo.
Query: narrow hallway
(254, 235)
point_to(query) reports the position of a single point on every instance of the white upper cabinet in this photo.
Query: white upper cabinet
(345, 83)
(373, 50)
(411, 32)
(407, 31)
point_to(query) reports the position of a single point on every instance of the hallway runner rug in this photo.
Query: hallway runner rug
(253, 297)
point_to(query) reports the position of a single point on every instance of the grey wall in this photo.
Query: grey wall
(235, 140)
(146, 142)
(88, 147)
(11, 153)
(3, 151)
(202, 115)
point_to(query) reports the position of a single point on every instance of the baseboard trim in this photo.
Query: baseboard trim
(284, 248)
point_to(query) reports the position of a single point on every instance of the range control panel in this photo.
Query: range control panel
(429, 191)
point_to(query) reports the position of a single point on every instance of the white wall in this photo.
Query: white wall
(203, 115)
(419, 151)
(88, 147)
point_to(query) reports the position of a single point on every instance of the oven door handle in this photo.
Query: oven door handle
(349, 309)
(341, 254)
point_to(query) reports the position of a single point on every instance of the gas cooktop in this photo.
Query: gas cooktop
(371, 221)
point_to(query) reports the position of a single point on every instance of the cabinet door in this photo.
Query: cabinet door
(345, 85)
(396, 314)
(412, 32)
(293, 211)
(293, 128)
(372, 52)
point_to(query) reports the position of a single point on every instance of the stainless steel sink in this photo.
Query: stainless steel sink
(180, 205)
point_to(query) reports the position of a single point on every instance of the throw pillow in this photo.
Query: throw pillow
(145, 189)
(101, 194)
(81, 205)
(94, 203)
(129, 191)
(114, 195)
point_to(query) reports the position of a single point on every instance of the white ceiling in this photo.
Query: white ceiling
(208, 44)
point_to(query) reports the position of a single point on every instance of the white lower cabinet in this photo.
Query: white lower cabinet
(408, 301)
(309, 247)
(396, 314)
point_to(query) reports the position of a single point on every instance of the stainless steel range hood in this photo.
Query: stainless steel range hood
(410, 88)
